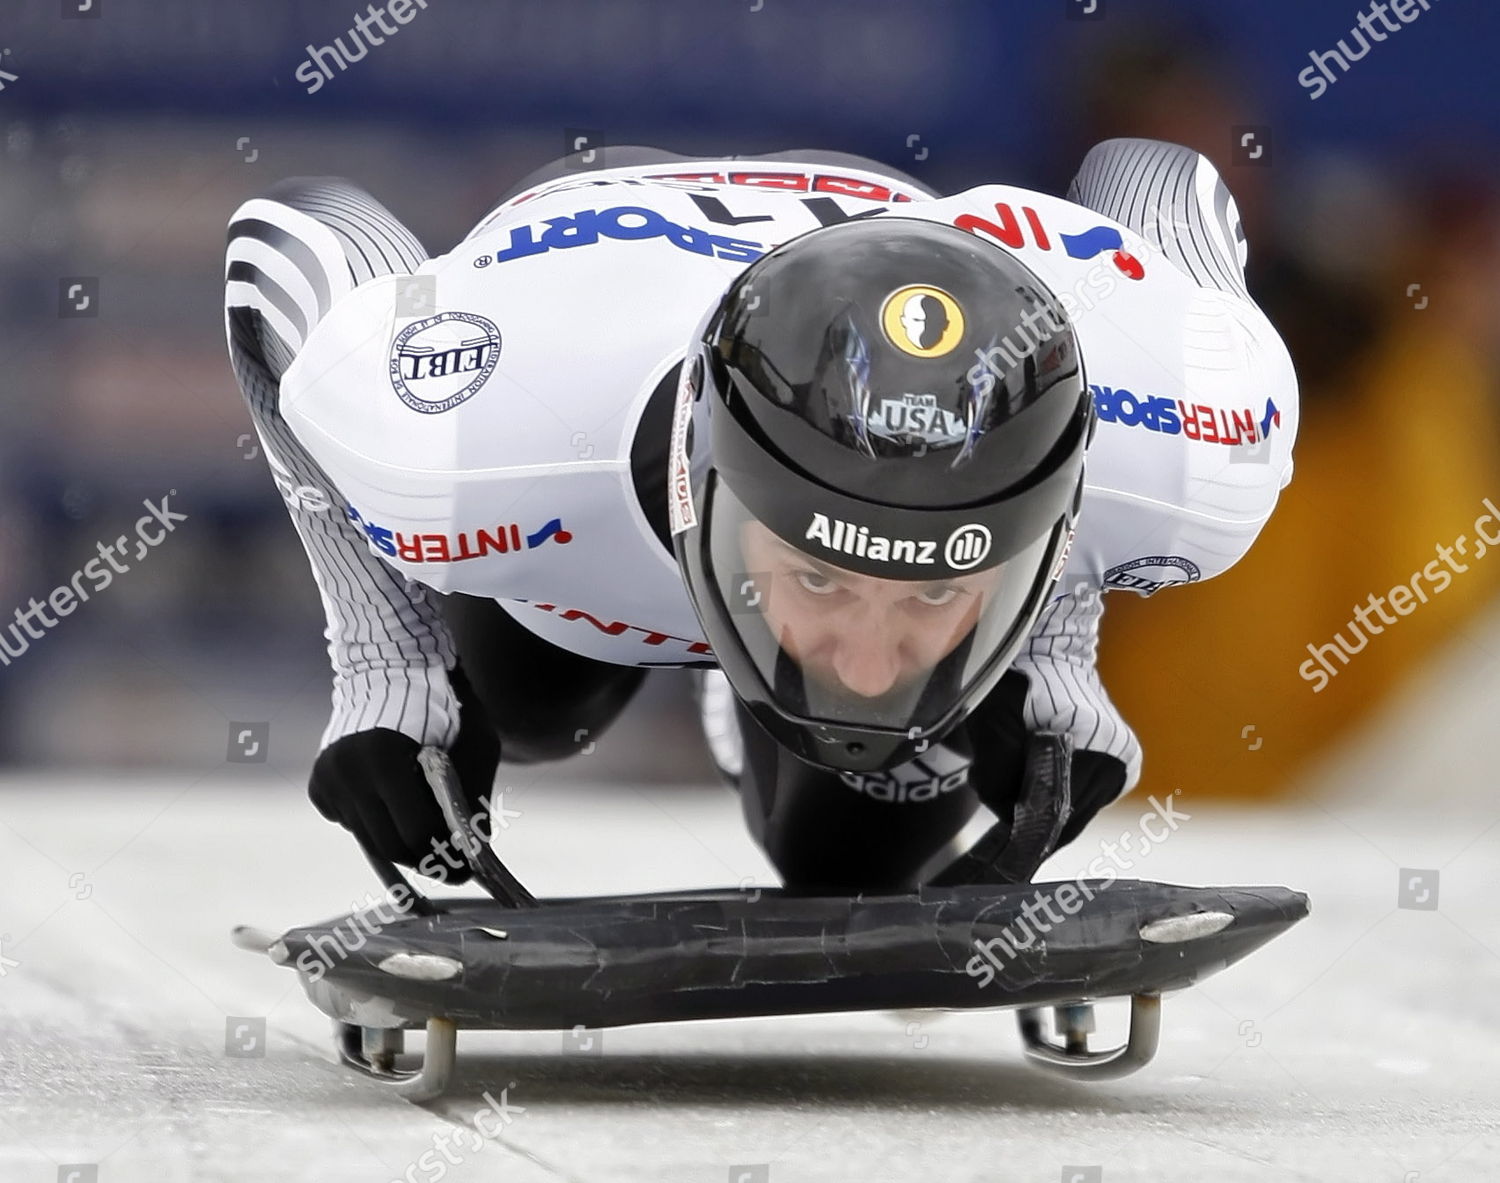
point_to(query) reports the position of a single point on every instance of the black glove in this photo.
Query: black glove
(371, 784)
(1061, 791)
(1024, 835)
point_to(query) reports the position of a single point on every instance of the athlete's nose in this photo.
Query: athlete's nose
(867, 666)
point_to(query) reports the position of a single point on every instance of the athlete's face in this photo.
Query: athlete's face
(854, 632)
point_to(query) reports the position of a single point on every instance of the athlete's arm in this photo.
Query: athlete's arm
(1175, 199)
(1066, 693)
(291, 256)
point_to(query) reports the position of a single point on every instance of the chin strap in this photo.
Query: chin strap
(1014, 848)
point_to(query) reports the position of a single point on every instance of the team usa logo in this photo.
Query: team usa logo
(440, 361)
(916, 416)
(922, 321)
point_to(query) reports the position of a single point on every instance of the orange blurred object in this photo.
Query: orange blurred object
(1396, 465)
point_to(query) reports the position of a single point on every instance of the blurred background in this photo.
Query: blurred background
(131, 129)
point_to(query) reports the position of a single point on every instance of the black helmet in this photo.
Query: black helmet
(876, 462)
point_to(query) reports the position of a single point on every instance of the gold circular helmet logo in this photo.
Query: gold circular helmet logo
(922, 321)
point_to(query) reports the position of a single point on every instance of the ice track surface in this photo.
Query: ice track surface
(1363, 1045)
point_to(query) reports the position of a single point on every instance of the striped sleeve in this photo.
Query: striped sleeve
(1066, 693)
(1175, 199)
(290, 257)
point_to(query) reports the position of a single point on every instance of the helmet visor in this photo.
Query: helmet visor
(843, 647)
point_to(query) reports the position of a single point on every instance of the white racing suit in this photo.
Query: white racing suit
(473, 451)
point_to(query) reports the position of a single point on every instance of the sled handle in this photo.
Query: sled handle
(485, 865)
(491, 873)
(390, 874)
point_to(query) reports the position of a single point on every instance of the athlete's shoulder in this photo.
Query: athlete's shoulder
(1088, 259)
(1195, 391)
(1192, 449)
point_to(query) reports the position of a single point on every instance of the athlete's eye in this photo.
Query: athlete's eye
(938, 596)
(815, 582)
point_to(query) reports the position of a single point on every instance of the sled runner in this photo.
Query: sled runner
(513, 962)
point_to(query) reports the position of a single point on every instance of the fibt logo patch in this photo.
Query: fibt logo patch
(438, 362)
(1148, 575)
(966, 547)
